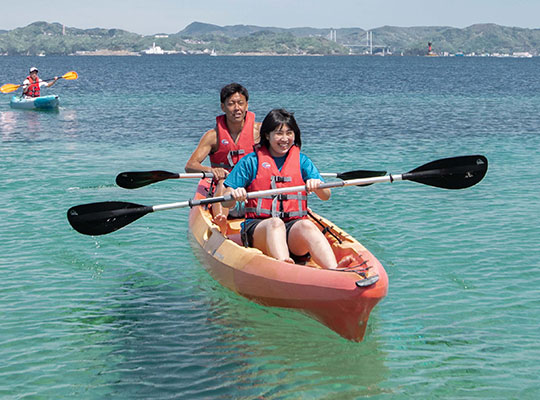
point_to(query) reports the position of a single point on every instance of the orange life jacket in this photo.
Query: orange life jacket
(229, 152)
(285, 206)
(33, 89)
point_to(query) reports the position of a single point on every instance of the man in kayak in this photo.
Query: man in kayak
(32, 84)
(278, 225)
(234, 136)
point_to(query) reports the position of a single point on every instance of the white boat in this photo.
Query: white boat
(154, 50)
(213, 53)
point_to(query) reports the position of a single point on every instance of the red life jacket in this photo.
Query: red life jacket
(33, 89)
(284, 206)
(229, 152)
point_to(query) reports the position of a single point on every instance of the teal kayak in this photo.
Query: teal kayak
(35, 103)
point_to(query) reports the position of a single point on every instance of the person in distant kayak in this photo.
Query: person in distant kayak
(234, 136)
(278, 225)
(32, 84)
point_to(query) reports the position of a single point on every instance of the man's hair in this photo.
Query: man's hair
(276, 119)
(232, 88)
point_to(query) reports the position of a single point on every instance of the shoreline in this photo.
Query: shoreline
(127, 53)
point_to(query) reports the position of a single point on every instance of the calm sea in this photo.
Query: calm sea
(133, 315)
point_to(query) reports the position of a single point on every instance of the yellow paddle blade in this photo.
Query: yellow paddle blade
(70, 75)
(8, 88)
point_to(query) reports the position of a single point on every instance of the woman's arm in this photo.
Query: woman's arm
(313, 178)
(240, 178)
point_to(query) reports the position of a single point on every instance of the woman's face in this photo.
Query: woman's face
(281, 140)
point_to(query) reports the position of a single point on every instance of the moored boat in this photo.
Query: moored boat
(35, 103)
(340, 299)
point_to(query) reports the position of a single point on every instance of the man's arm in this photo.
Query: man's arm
(204, 148)
(257, 132)
(49, 84)
(207, 145)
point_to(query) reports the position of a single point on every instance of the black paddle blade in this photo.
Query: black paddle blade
(450, 173)
(134, 180)
(360, 173)
(105, 217)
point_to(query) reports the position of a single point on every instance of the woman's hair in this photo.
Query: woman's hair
(232, 88)
(275, 119)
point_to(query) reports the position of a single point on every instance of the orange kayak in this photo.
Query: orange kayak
(340, 299)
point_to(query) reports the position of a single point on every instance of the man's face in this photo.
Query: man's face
(235, 107)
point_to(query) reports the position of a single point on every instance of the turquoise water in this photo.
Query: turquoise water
(134, 315)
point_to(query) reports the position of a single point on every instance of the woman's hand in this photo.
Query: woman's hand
(312, 185)
(239, 194)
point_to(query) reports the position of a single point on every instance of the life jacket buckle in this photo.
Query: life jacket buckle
(281, 179)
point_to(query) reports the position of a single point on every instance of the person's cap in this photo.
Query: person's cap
(33, 69)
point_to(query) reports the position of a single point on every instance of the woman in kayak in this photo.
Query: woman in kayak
(278, 225)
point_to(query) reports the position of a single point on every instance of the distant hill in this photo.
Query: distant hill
(238, 31)
(54, 38)
(43, 37)
(201, 38)
(479, 39)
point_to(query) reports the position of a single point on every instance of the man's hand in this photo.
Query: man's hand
(219, 173)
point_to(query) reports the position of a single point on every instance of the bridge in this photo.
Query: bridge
(368, 48)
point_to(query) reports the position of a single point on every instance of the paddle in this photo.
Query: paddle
(109, 216)
(9, 87)
(135, 180)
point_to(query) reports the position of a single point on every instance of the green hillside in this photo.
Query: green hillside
(196, 38)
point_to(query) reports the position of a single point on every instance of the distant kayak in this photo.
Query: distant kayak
(35, 103)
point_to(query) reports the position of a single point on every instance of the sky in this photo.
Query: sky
(148, 17)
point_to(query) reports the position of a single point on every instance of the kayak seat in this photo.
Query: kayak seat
(233, 231)
(235, 237)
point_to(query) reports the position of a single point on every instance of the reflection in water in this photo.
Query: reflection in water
(8, 122)
(20, 121)
(33, 122)
(158, 336)
(158, 344)
(37, 125)
(70, 123)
